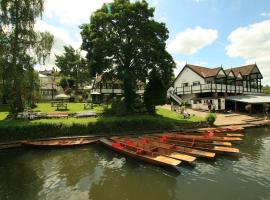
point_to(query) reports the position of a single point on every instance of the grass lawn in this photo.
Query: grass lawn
(11, 130)
(78, 107)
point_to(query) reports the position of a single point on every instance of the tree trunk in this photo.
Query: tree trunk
(129, 91)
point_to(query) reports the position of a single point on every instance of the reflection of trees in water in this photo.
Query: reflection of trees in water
(76, 164)
(253, 143)
(132, 181)
(18, 177)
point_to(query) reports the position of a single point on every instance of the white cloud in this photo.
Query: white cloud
(70, 11)
(265, 14)
(192, 40)
(61, 37)
(253, 44)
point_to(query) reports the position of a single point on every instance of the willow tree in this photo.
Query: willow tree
(26, 47)
(123, 38)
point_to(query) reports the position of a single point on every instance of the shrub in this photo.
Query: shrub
(211, 118)
(155, 93)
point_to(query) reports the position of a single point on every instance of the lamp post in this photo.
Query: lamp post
(53, 79)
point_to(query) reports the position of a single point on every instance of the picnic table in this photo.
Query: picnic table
(54, 103)
(87, 106)
(61, 106)
(57, 115)
(86, 114)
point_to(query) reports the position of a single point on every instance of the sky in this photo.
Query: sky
(210, 33)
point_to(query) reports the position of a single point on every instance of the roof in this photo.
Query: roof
(204, 71)
(244, 70)
(253, 99)
(42, 76)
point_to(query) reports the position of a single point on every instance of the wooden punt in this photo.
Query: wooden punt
(162, 151)
(144, 155)
(223, 129)
(211, 148)
(186, 150)
(63, 142)
(218, 134)
(207, 143)
(201, 138)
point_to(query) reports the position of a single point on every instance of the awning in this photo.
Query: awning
(252, 99)
(62, 96)
(94, 92)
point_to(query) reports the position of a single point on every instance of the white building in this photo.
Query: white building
(202, 87)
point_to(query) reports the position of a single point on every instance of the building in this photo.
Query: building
(203, 87)
(104, 89)
(48, 86)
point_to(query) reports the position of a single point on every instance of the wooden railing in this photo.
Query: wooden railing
(215, 88)
(113, 91)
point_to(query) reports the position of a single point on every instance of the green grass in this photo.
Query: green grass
(72, 108)
(25, 129)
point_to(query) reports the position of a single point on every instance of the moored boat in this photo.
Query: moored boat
(186, 150)
(63, 142)
(201, 138)
(148, 146)
(139, 153)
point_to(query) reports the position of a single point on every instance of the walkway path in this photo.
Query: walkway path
(230, 118)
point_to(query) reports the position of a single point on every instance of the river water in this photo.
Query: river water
(95, 172)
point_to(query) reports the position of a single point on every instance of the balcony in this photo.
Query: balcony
(206, 88)
(113, 91)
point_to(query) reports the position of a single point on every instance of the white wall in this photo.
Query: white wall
(188, 76)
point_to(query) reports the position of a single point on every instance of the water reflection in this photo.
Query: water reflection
(94, 172)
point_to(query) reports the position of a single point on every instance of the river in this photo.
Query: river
(95, 172)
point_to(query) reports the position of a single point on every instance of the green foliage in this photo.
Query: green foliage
(72, 65)
(211, 118)
(21, 48)
(155, 93)
(266, 89)
(126, 41)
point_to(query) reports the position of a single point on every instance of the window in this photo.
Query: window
(185, 84)
(196, 83)
(208, 82)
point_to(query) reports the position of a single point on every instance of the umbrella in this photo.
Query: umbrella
(62, 96)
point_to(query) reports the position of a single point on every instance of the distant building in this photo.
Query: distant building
(104, 89)
(48, 86)
(202, 87)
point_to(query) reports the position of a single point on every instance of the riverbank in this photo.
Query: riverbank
(231, 119)
(14, 130)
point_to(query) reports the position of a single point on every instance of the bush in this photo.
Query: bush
(103, 126)
(118, 108)
(211, 118)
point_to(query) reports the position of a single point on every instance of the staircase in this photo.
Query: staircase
(176, 98)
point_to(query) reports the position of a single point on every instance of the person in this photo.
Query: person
(209, 106)
(214, 108)
(266, 113)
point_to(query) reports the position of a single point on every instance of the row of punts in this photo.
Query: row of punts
(166, 149)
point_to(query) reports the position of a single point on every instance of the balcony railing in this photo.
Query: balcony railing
(113, 91)
(216, 88)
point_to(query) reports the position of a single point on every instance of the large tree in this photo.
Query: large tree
(123, 38)
(26, 47)
(72, 65)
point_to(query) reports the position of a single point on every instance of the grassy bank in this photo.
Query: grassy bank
(43, 128)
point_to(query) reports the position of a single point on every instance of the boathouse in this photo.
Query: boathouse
(225, 89)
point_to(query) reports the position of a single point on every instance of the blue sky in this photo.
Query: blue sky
(206, 32)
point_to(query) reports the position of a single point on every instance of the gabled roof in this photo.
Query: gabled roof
(244, 70)
(204, 71)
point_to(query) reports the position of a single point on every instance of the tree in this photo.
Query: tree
(25, 46)
(155, 93)
(266, 89)
(72, 65)
(123, 38)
